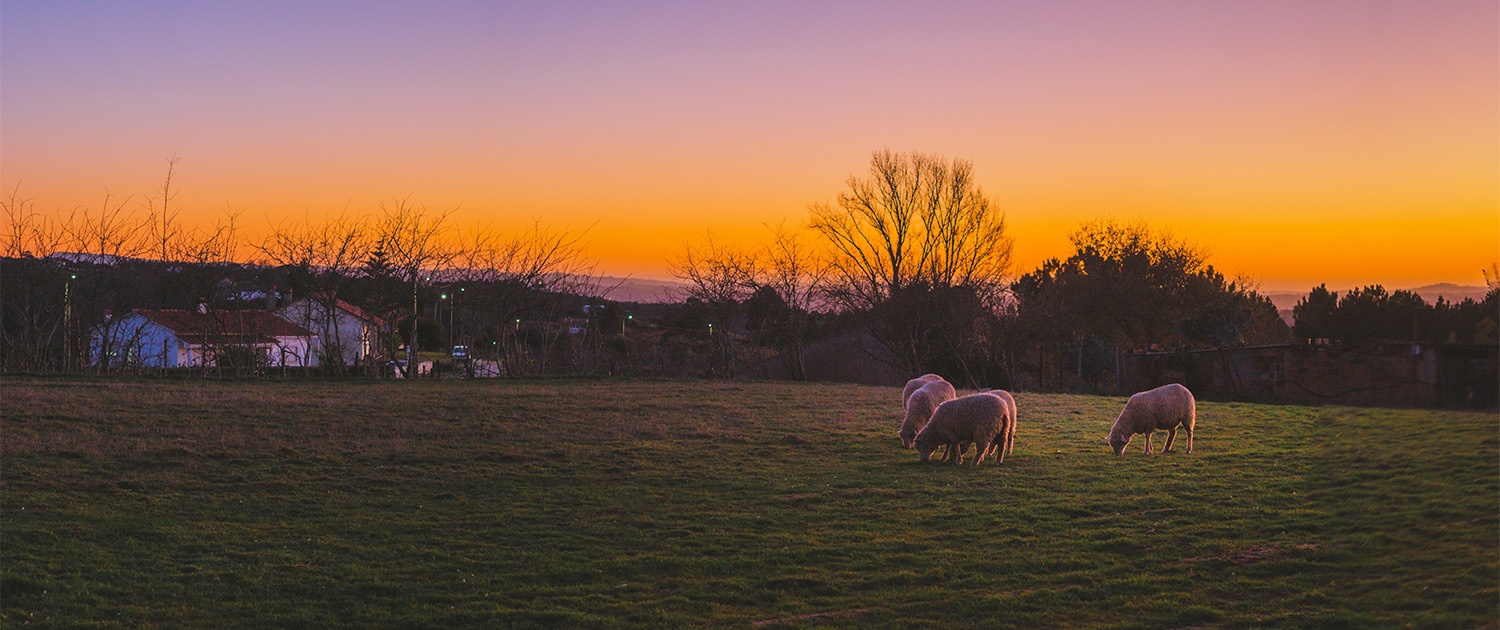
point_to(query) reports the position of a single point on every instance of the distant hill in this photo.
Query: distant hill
(644, 290)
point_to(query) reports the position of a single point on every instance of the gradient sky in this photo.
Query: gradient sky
(1298, 142)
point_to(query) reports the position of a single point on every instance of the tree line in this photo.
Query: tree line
(913, 257)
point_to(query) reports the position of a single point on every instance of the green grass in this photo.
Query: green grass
(604, 504)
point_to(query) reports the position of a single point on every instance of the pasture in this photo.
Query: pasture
(603, 504)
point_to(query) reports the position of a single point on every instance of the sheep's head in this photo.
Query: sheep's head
(908, 437)
(1118, 442)
(924, 448)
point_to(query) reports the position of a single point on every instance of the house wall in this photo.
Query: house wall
(135, 340)
(355, 336)
(293, 352)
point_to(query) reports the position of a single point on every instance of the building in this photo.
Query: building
(170, 338)
(346, 334)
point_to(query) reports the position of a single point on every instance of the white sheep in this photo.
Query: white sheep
(1010, 412)
(915, 384)
(979, 418)
(920, 404)
(1165, 407)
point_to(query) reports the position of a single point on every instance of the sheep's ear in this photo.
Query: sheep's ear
(1104, 440)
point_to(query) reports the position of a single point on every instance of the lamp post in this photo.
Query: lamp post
(68, 321)
(444, 300)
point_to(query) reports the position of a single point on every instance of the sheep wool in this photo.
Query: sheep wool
(920, 405)
(915, 384)
(1009, 439)
(979, 418)
(1165, 407)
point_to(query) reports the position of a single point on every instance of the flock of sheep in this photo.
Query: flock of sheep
(937, 417)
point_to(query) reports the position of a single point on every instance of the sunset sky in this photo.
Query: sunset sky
(1298, 142)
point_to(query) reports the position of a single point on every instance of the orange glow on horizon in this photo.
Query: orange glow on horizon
(1346, 143)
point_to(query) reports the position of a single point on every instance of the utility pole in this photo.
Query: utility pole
(68, 322)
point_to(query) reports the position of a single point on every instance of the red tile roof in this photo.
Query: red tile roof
(356, 311)
(360, 313)
(258, 326)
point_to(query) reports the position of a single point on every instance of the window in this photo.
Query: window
(1271, 367)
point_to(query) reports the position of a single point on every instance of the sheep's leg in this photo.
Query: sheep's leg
(1190, 438)
(1171, 435)
(1148, 441)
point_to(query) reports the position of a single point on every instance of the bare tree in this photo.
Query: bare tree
(165, 228)
(113, 233)
(217, 243)
(497, 279)
(915, 219)
(414, 242)
(796, 275)
(915, 244)
(28, 233)
(327, 258)
(721, 278)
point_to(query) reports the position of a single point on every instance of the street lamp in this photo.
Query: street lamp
(444, 298)
(68, 321)
(452, 321)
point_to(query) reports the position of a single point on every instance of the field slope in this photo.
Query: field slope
(657, 504)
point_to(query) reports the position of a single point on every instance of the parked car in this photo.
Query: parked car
(460, 352)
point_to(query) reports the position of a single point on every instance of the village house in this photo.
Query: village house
(345, 334)
(172, 338)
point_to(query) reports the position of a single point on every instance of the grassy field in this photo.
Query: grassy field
(658, 504)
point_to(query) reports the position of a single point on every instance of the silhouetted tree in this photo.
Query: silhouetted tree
(719, 278)
(917, 220)
(1371, 313)
(413, 242)
(1135, 289)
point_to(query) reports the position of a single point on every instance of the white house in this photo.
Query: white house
(207, 338)
(345, 333)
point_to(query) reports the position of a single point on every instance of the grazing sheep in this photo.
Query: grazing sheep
(1010, 411)
(919, 407)
(1165, 407)
(915, 384)
(979, 418)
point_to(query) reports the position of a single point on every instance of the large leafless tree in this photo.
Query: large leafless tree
(414, 241)
(720, 277)
(328, 257)
(502, 277)
(796, 274)
(915, 219)
(916, 243)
